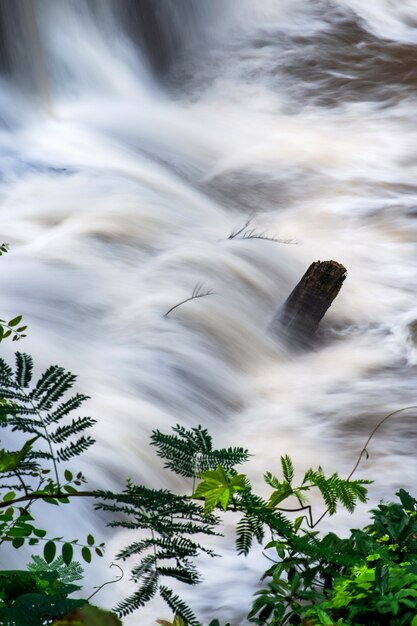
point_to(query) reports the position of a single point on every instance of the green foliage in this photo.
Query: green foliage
(12, 328)
(190, 452)
(219, 487)
(33, 598)
(40, 409)
(67, 573)
(172, 521)
(369, 578)
(36, 411)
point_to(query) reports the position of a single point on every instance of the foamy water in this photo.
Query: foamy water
(119, 191)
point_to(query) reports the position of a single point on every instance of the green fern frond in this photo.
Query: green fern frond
(74, 448)
(244, 535)
(249, 527)
(24, 368)
(189, 576)
(66, 573)
(272, 481)
(287, 468)
(257, 508)
(52, 385)
(336, 490)
(147, 564)
(189, 452)
(65, 408)
(62, 433)
(145, 593)
(178, 606)
(6, 373)
(34, 412)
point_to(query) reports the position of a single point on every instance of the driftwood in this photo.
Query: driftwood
(298, 319)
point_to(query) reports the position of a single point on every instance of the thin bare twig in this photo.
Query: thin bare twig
(197, 293)
(239, 231)
(109, 582)
(251, 233)
(364, 450)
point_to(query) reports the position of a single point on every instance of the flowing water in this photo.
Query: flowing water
(135, 137)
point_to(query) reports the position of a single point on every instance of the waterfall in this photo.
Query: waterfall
(135, 137)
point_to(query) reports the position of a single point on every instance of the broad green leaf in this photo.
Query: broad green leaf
(324, 617)
(49, 551)
(280, 494)
(90, 540)
(67, 552)
(15, 321)
(218, 488)
(9, 461)
(18, 542)
(86, 554)
(9, 496)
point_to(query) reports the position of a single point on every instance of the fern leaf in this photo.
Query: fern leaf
(24, 367)
(74, 448)
(287, 468)
(145, 593)
(6, 373)
(272, 481)
(65, 408)
(147, 564)
(178, 606)
(189, 452)
(62, 433)
(52, 385)
(189, 576)
(244, 536)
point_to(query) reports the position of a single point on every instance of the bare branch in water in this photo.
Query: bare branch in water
(197, 293)
(241, 230)
(251, 233)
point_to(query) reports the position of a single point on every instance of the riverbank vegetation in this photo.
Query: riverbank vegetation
(368, 578)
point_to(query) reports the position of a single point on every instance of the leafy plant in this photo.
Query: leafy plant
(39, 410)
(66, 573)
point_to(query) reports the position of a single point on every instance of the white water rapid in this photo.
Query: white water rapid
(123, 170)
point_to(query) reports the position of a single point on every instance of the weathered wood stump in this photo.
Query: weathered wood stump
(298, 319)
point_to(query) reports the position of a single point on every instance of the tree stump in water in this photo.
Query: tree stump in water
(300, 316)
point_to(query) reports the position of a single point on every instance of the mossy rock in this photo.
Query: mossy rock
(89, 616)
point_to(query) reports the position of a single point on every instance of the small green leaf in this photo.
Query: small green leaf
(67, 552)
(9, 461)
(86, 554)
(218, 488)
(9, 496)
(51, 501)
(15, 321)
(68, 475)
(49, 551)
(90, 540)
(99, 552)
(18, 542)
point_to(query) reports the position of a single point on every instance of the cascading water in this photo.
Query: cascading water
(132, 143)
